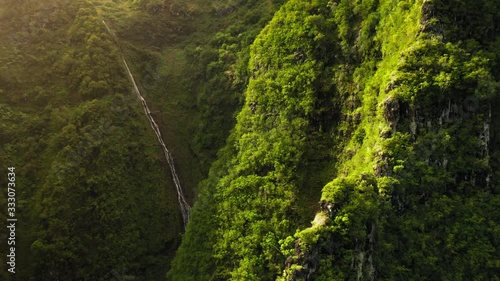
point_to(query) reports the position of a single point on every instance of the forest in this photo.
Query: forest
(320, 140)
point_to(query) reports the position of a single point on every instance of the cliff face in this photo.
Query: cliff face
(339, 140)
(394, 105)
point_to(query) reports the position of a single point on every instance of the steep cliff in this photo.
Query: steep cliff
(384, 112)
(317, 140)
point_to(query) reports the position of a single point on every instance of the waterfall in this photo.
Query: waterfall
(184, 206)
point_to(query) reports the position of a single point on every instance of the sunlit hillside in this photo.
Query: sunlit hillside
(249, 140)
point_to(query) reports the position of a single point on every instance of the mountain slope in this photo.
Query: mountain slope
(92, 199)
(400, 105)
(376, 121)
(91, 175)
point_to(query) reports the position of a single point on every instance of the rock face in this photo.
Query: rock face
(391, 112)
(426, 131)
(307, 262)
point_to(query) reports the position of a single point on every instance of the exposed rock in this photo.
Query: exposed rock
(427, 22)
(364, 257)
(413, 126)
(391, 111)
(326, 207)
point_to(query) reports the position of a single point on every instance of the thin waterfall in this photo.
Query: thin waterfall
(184, 206)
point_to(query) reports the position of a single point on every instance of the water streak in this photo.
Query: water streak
(184, 206)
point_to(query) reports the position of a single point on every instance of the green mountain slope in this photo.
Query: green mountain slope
(95, 199)
(317, 140)
(89, 204)
(396, 101)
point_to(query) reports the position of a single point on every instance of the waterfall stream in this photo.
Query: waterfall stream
(184, 206)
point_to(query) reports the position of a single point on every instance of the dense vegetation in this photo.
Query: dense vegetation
(401, 101)
(89, 204)
(96, 199)
(375, 120)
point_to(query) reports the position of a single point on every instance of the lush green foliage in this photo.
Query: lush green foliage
(252, 189)
(384, 111)
(428, 145)
(92, 194)
(414, 196)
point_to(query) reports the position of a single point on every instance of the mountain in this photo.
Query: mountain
(91, 187)
(314, 140)
(384, 113)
